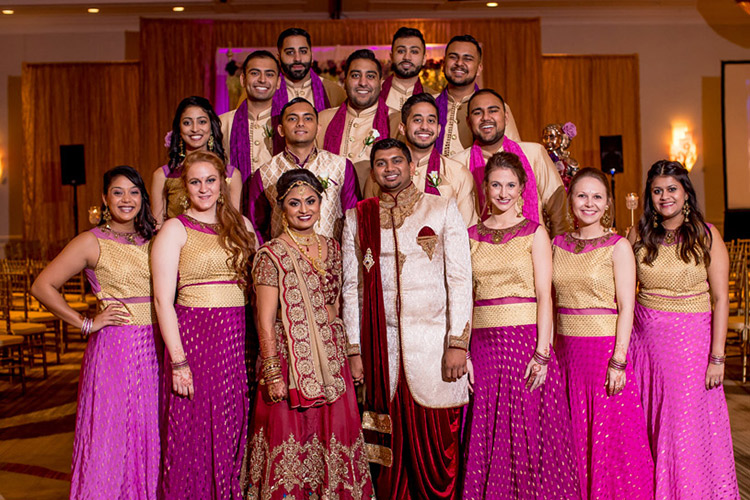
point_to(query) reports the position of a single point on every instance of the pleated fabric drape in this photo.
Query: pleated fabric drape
(94, 104)
(600, 94)
(178, 59)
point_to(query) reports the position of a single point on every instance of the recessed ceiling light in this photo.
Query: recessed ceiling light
(491, 4)
(178, 9)
(93, 10)
(7, 12)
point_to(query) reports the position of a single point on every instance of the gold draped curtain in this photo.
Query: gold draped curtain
(178, 60)
(94, 104)
(599, 94)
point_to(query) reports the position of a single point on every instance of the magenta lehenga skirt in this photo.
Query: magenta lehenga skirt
(518, 443)
(204, 438)
(688, 425)
(116, 450)
(614, 460)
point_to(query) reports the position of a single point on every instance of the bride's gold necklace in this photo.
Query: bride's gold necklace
(304, 242)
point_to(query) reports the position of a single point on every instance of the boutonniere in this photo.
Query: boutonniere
(267, 131)
(370, 139)
(433, 179)
(325, 181)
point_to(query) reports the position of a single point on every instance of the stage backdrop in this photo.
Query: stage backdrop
(599, 94)
(94, 104)
(178, 60)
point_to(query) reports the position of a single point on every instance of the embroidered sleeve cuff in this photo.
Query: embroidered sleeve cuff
(462, 341)
(352, 350)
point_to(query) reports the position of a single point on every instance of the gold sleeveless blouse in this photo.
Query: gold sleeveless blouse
(671, 284)
(502, 272)
(205, 278)
(122, 275)
(584, 281)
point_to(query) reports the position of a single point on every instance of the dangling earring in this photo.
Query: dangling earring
(606, 220)
(655, 221)
(182, 148)
(185, 202)
(106, 215)
(317, 223)
(220, 200)
(284, 222)
(686, 209)
(519, 207)
(211, 142)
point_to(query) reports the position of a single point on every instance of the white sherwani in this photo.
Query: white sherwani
(426, 284)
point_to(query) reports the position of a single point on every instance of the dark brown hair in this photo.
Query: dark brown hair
(233, 235)
(694, 235)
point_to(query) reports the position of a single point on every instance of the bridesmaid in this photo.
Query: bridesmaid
(678, 343)
(195, 127)
(518, 437)
(116, 450)
(594, 279)
(203, 254)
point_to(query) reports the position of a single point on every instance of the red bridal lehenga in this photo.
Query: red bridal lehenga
(310, 445)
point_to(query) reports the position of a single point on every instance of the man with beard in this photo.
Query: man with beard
(407, 312)
(248, 144)
(407, 59)
(299, 124)
(295, 55)
(351, 129)
(543, 198)
(461, 67)
(433, 173)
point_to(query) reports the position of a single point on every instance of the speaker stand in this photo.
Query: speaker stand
(612, 172)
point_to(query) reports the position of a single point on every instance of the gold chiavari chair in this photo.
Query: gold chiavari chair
(739, 325)
(30, 334)
(11, 357)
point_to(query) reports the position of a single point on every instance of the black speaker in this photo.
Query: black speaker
(73, 165)
(610, 148)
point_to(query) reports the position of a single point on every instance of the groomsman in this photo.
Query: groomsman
(248, 145)
(433, 173)
(544, 195)
(351, 129)
(408, 52)
(299, 124)
(461, 67)
(407, 311)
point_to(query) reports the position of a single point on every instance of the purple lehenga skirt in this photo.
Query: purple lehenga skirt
(116, 450)
(204, 438)
(614, 460)
(688, 425)
(518, 442)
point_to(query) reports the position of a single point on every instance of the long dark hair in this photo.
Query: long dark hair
(145, 224)
(233, 235)
(175, 151)
(693, 235)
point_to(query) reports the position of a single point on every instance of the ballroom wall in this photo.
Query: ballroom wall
(680, 62)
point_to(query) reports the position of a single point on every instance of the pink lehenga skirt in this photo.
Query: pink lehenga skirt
(204, 438)
(614, 460)
(688, 425)
(518, 443)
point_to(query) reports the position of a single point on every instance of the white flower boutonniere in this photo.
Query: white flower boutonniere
(267, 131)
(433, 179)
(325, 180)
(374, 136)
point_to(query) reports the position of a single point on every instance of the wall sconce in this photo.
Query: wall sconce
(683, 148)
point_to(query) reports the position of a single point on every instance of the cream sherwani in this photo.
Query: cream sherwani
(399, 94)
(359, 127)
(455, 181)
(458, 135)
(336, 93)
(426, 291)
(261, 143)
(551, 193)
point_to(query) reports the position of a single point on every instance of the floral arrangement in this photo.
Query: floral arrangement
(570, 129)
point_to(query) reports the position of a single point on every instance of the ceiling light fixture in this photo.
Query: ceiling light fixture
(7, 12)
(178, 9)
(93, 10)
(491, 4)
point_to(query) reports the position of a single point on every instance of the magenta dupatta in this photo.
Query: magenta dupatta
(529, 195)
(335, 131)
(433, 165)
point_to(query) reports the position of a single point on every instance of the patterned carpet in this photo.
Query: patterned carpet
(36, 430)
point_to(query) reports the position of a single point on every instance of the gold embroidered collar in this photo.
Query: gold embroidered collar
(292, 158)
(580, 243)
(395, 209)
(499, 234)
